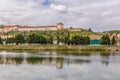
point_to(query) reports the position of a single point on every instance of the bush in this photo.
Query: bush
(80, 40)
(49, 39)
(1, 41)
(113, 41)
(105, 40)
(19, 39)
(63, 36)
(10, 40)
(35, 38)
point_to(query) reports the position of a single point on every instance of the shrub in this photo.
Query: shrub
(19, 39)
(1, 41)
(113, 41)
(10, 40)
(35, 38)
(105, 40)
(80, 40)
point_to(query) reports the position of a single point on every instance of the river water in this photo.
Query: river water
(59, 65)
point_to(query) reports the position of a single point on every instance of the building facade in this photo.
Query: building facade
(59, 26)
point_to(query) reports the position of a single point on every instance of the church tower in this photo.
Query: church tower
(60, 26)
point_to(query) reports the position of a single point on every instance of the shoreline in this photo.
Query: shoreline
(59, 47)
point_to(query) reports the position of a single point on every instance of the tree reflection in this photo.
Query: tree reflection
(58, 59)
(105, 57)
(50, 60)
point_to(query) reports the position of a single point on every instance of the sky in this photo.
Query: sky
(99, 15)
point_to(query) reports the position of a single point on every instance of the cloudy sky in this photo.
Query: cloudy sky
(96, 14)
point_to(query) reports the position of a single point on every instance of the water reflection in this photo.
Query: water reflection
(59, 65)
(58, 59)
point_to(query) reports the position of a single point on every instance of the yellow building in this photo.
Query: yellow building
(59, 26)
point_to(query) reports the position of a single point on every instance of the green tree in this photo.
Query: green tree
(49, 39)
(58, 39)
(113, 41)
(60, 35)
(102, 40)
(2, 27)
(49, 36)
(87, 39)
(63, 36)
(33, 38)
(80, 40)
(90, 30)
(75, 40)
(10, 40)
(1, 41)
(66, 38)
(19, 39)
(36, 39)
(42, 40)
(105, 40)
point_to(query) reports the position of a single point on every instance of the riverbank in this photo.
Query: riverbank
(59, 47)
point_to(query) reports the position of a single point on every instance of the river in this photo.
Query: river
(59, 65)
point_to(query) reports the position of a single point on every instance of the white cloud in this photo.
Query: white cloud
(107, 13)
(99, 15)
(60, 8)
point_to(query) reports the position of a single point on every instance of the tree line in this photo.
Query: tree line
(105, 40)
(48, 38)
(63, 37)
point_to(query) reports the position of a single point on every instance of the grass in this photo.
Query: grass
(59, 47)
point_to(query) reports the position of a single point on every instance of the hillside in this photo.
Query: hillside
(92, 35)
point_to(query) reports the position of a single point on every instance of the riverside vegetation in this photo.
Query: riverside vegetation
(50, 39)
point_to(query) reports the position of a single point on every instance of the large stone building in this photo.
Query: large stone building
(59, 26)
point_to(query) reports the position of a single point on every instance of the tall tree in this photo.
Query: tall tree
(113, 41)
(19, 39)
(75, 40)
(66, 38)
(33, 38)
(87, 40)
(83, 40)
(36, 39)
(105, 40)
(10, 40)
(2, 27)
(90, 30)
(1, 41)
(63, 36)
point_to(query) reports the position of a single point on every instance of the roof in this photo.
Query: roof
(60, 23)
(37, 26)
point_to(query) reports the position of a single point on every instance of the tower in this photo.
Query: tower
(60, 26)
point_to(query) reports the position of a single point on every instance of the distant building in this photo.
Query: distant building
(9, 28)
(59, 26)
